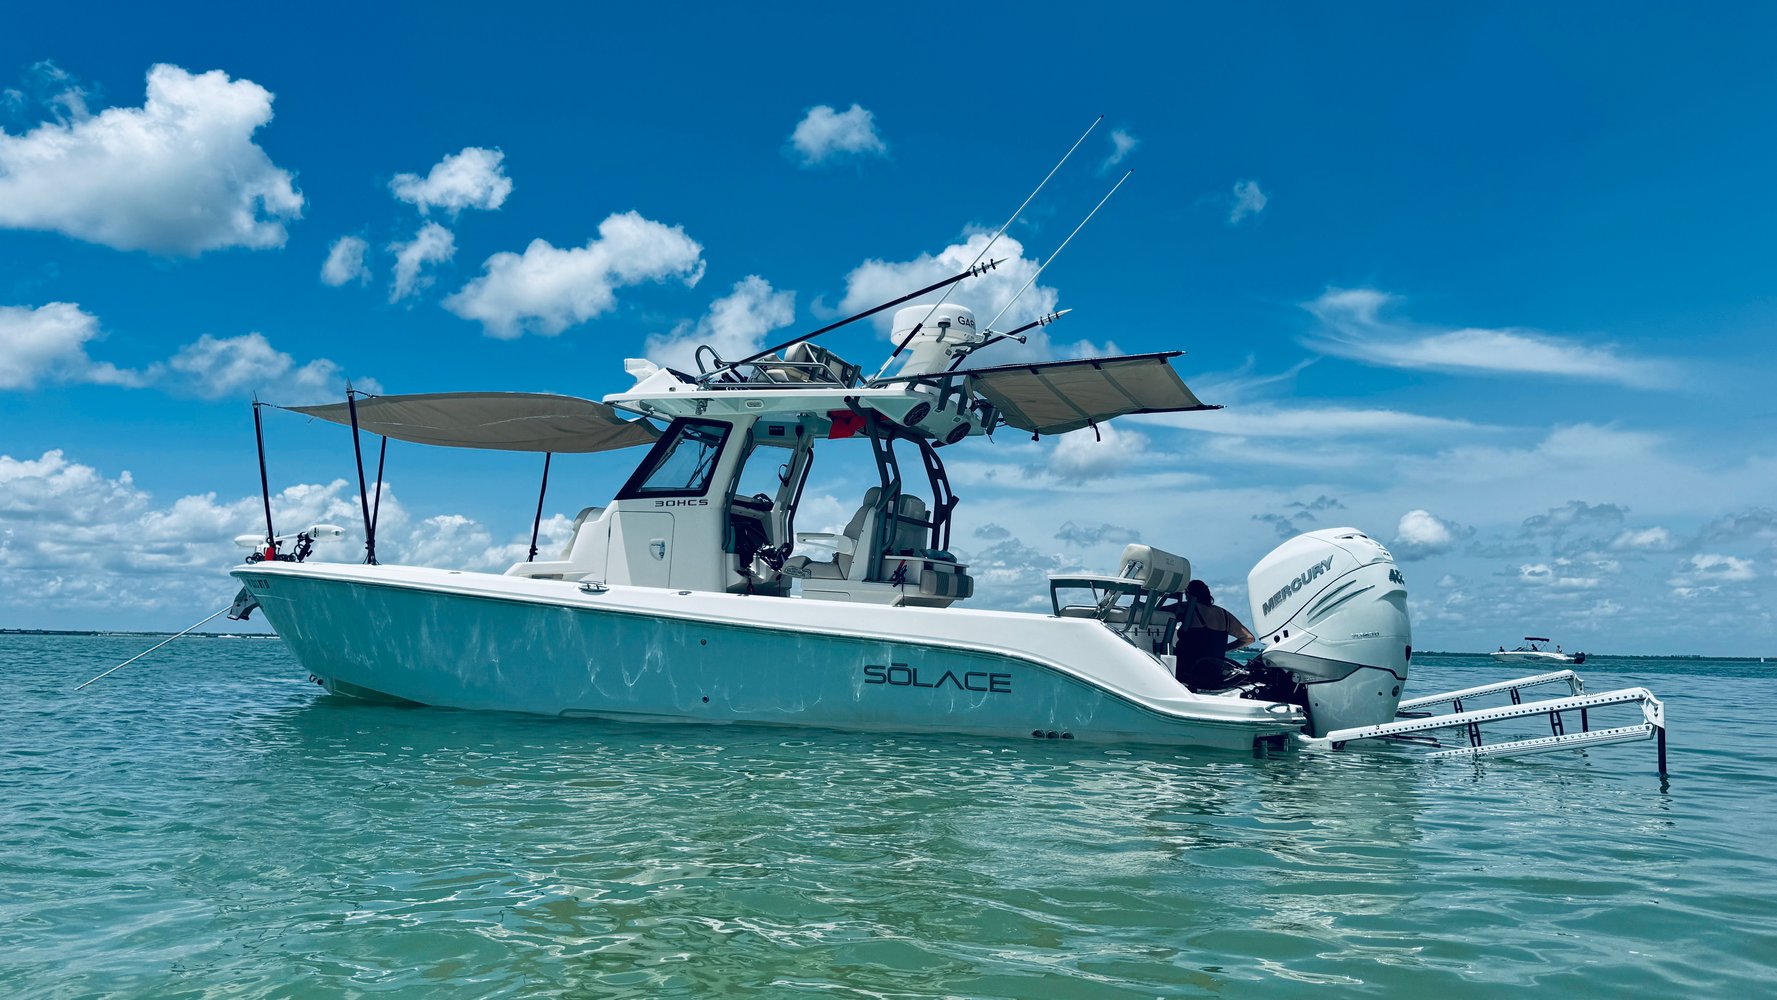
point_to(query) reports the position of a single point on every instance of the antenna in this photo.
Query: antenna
(1013, 334)
(1057, 253)
(997, 234)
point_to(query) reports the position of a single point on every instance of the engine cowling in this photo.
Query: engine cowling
(1331, 607)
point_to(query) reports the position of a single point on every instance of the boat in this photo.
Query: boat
(693, 597)
(1531, 652)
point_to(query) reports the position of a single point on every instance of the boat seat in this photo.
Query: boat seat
(839, 567)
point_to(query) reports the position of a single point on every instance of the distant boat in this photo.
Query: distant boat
(1532, 651)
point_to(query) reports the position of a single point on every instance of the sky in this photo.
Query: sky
(1494, 286)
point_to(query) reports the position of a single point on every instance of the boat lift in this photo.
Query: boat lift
(1411, 721)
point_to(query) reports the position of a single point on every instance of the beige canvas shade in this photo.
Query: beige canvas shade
(1059, 396)
(502, 421)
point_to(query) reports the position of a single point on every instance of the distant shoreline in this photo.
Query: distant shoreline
(127, 632)
(1422, 652)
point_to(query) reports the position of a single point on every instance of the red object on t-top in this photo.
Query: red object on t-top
(846, 423)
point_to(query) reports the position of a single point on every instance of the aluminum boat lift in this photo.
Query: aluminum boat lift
(1412, 722)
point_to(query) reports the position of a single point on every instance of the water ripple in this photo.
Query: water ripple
(206, 824)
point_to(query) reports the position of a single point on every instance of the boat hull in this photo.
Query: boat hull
(1532, 656)
(475, 641)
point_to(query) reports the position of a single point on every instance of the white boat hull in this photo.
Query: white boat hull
(481, 641)
(1531, 656)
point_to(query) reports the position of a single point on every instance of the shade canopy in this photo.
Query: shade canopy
(501, 421)
(1059, 396)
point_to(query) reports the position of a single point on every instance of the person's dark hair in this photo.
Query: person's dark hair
(1198, 591)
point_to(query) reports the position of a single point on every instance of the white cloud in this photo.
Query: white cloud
(1352, 325)
(1122, 144)
(1081, 455)
(1555, 576)
(1654, 539)
(1420, 533)
(1083, 536)
(81, 549)
(49, 342)
(1709, 569)
(876, 281)
(213, 367)
(179, 175)
(433, 244)
(345, 262)
(825, 134)
(547, 290)
(96, 550)
(1309, 422)
(473, 178)
(735, 326)
(1249, 201)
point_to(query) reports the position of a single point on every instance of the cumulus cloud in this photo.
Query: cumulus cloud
(473, 178)
(824, 135)
(345, 262)
(735, 326)
(49, 343)
(1248, 201)
(1011, 574)
(1352, 325)
(1708, 572)
(213, 367)
(433, 244)
(46, 85)
(179, 175)
(1420, 533)
(1557, 576)
(546, 290)
(1083, 455)
(1265, 421)
(1085, 536)
(1655, 539)
(1122, 144)
(79, 548)
(992, 532)
(876, 281)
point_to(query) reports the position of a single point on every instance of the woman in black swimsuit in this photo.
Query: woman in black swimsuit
(1207, 634)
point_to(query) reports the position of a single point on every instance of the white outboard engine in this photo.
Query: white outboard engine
(1332, 609)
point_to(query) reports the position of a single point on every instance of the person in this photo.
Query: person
(1207, 634)
(1502, 649)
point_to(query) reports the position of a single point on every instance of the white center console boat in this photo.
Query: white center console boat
(680, 600)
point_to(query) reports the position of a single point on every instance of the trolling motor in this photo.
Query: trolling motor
(1331, 607)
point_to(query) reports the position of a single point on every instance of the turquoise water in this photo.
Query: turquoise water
(207, 823)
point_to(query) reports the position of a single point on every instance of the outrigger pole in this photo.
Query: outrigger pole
(974, 270)
(997, 234)
(1057, 253)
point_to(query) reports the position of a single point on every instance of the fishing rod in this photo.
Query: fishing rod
(1057, 253)
(973, 271)
(152, 648)
(997, 234)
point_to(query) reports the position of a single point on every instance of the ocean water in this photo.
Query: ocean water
(207, 823)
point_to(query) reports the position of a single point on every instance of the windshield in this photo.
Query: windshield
(682, 462)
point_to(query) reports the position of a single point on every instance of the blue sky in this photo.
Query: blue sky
(1495, 286)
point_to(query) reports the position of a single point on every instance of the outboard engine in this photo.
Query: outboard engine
(1332, 609)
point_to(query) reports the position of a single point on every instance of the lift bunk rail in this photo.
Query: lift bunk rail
(1412, 722)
